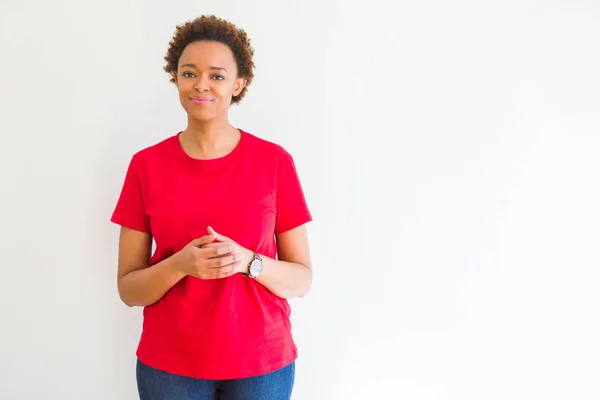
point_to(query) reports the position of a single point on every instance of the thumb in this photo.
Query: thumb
(211, 231)
(203, 240)
(218, 236)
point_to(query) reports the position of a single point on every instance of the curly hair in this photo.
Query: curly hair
(212, 28)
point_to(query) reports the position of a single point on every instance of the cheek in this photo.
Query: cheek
(184, 87)
(222, 89)
(184, 91)
(225, 93)
(183, 99)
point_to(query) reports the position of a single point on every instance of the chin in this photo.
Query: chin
(202, 116)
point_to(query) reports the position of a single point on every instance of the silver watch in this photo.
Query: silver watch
(255, 267)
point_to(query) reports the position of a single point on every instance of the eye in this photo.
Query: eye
(188, 74)
(218, 77)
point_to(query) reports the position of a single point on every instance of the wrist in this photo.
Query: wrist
(247, 257)
(175, 265)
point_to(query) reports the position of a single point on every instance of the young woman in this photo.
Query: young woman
(227, 212)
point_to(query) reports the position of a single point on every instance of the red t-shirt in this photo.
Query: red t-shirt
(223, 328)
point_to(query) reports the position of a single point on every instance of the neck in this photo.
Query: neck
(209, 139)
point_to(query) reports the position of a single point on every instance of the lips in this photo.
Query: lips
(201, 100)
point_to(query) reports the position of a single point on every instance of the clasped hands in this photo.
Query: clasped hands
(213, 256)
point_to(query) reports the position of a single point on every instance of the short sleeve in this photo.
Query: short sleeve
(130, 211)
(292, 210)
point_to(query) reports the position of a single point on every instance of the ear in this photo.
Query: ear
(240, 83)
(174, 75)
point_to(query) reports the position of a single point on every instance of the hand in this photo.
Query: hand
(204, 259)
(247, 255)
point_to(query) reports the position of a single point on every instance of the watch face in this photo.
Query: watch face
(255, 268)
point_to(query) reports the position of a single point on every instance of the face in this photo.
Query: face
(207, 79)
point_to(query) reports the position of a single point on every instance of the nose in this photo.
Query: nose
(202, 84)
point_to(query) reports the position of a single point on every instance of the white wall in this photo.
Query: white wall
(449, 151)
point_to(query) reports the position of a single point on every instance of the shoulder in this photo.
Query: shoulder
(154, 152)
(266, 147)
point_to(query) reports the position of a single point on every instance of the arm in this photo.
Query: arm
(291, 274)
(139, 284)
(142, 285)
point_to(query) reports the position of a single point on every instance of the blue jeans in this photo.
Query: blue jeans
(158, 385)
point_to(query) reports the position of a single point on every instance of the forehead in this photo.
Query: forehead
(205, 54)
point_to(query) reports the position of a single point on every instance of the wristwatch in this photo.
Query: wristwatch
(255, 267)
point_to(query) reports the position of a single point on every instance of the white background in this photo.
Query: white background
(449, 151)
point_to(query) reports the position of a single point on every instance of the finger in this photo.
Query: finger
(216, 250)
(213, 245)
(224, 261)
(219, 237)
(203, 240)
(227, 271)
(219, 273)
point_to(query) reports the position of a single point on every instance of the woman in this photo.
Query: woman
(228, 214)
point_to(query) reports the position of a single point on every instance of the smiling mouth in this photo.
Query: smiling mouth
(201, 100)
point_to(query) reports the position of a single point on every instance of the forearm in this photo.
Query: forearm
(146, 286)
(285, 279)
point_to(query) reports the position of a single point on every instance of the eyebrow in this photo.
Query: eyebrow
(213, 68)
